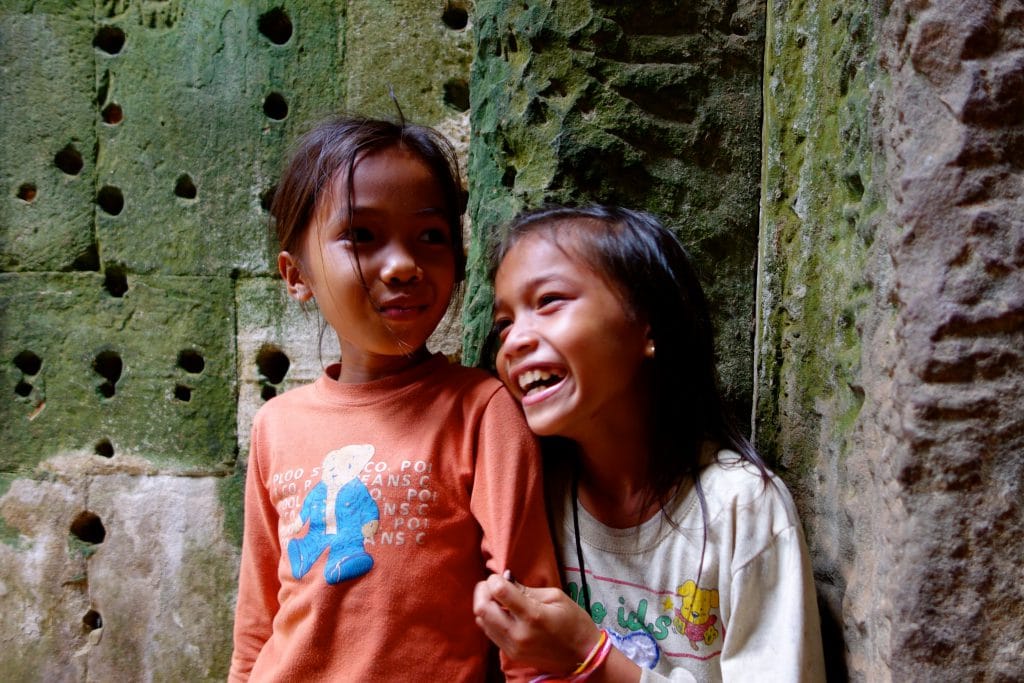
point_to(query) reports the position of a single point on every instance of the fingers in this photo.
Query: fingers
(492, 618)
(514, 598)
(540, 627)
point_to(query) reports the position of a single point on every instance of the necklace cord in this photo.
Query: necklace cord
(584, 589)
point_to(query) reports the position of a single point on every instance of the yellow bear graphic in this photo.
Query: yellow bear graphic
(693, 619)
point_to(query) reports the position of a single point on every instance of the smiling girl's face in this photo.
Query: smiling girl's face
(382, 270)
(570, 351)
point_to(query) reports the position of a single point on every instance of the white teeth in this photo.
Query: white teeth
(535, 379)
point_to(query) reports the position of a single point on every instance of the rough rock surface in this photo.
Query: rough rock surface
(892, 325)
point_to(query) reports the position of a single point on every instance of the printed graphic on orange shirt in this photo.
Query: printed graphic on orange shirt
(341, 517)
(404, 493)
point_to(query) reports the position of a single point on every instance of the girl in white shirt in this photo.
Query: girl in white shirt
(682, 556)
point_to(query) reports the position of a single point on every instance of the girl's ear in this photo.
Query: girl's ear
(298, 288)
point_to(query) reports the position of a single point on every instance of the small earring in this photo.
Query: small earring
(649, 350)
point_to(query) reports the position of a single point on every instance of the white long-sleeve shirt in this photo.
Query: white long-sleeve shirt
(750, 613)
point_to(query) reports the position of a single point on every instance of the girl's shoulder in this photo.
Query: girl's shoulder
(735, 486)
(454, 372)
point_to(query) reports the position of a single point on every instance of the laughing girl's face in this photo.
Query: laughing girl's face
(570, 351)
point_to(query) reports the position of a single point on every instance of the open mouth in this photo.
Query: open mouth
(533, 381)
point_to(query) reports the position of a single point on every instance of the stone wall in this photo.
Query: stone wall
(141, 324)
(891, 325)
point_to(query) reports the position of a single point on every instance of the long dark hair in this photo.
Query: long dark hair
(657, 281)
(335, 144)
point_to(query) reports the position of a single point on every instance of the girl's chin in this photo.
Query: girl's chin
(545, 424)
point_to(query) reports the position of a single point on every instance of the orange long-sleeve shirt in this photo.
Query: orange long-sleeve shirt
(371, 511)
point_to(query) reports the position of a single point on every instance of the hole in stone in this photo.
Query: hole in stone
(267, 198)
(268, 392)
(276, 26)
(23, 389)
(112, 114)
(88, 528)
(555, 88)
(110, 39)
(191, 361)
(110, 200)
(185, 188)
(108, 366)
(183, 393)
(88, 260)
(69, 160)
(115, 281)
(455, 16)
(275, 106)
(29, 363)
(92, 620)
(27, 192)
(104, 448)
(508, 179)
(456, 94)
(272, 364)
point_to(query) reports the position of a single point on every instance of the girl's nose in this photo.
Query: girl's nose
(520, 338)
(400, 266)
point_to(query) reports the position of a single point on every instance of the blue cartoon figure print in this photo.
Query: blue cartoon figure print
(342, 517)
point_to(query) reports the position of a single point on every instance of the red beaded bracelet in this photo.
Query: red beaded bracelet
(595, 658)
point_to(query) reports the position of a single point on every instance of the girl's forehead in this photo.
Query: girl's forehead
(401, 166)
(565, 241)
(571, 242)
(542, 256)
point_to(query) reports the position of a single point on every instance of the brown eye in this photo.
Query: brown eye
(546, 300)
(435, 236)
(356, 235)
(500, 328)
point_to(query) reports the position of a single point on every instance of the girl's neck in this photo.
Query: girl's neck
(362, 368)
(613, 481)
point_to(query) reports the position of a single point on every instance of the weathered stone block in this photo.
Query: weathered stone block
(822, 200)
(206, 91)
(148, 374)
(44, 587)
(891, 330)
(296, 61)
(47, 136)
(280, 346)
(162, 580)
(396, 45)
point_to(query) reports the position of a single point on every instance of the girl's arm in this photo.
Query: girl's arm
(507, 501)
(773, 631)
(257, 581)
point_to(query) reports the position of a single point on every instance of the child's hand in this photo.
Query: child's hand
(539, 627)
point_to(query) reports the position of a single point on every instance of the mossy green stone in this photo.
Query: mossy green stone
(47, 137)
(112, 369)
(818, 189)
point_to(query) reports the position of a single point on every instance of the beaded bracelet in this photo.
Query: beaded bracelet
(594, 659)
